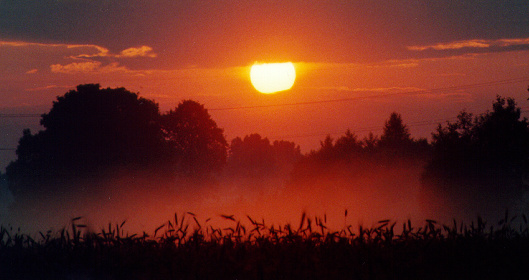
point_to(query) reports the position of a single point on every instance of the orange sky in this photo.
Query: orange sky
(423, 59)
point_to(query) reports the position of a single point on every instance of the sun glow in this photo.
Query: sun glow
(272, 77)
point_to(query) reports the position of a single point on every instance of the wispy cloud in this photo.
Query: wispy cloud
(143, 51)
(452, 45)
(48, 87)
(476, 43)
(87, 50)
(377, 90)
(75, 58)
(405, 63)
(100, 51)
(97, 50)
(453, 96)
(87, 67)
(76, 67)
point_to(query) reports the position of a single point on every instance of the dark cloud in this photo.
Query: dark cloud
(472, 19)
(238, 32)
(68, 21)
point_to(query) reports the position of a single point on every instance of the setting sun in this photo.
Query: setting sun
(272, 77)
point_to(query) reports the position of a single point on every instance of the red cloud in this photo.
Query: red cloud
(143, 51)
(477, 43)
(87, 67)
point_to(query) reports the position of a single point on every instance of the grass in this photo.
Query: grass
(184, 248)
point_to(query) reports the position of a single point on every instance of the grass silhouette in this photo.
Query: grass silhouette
(184, 248)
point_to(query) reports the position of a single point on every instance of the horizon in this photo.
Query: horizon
(28, 117)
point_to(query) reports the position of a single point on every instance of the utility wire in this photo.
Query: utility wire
(374, 128)
(435, 90)
(364, 129)
(354, 130)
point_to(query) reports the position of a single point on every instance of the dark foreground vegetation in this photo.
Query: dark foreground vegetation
(184, 248)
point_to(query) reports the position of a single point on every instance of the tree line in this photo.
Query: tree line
(93, 131)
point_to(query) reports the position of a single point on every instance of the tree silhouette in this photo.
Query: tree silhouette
(200, 146)
(502, 141)
(252, 155)
(87, 132)
(348, 147)
(492, 145)
(453, 148)
(90, 132)
(255, 156)
(396, 142)
(348, 156)
(481, 159)
(370, 142)
(286, 153)
(395, 134)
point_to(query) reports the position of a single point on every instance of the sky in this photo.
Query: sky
(356, 61)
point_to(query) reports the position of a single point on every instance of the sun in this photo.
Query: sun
(272, 77)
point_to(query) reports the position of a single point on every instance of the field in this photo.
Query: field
(184, 248)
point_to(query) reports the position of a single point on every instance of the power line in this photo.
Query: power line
(375, 128)
(354, 130)
(365, 129)
(435, 90)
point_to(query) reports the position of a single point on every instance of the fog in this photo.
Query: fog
(111, 173)
(146, 202)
